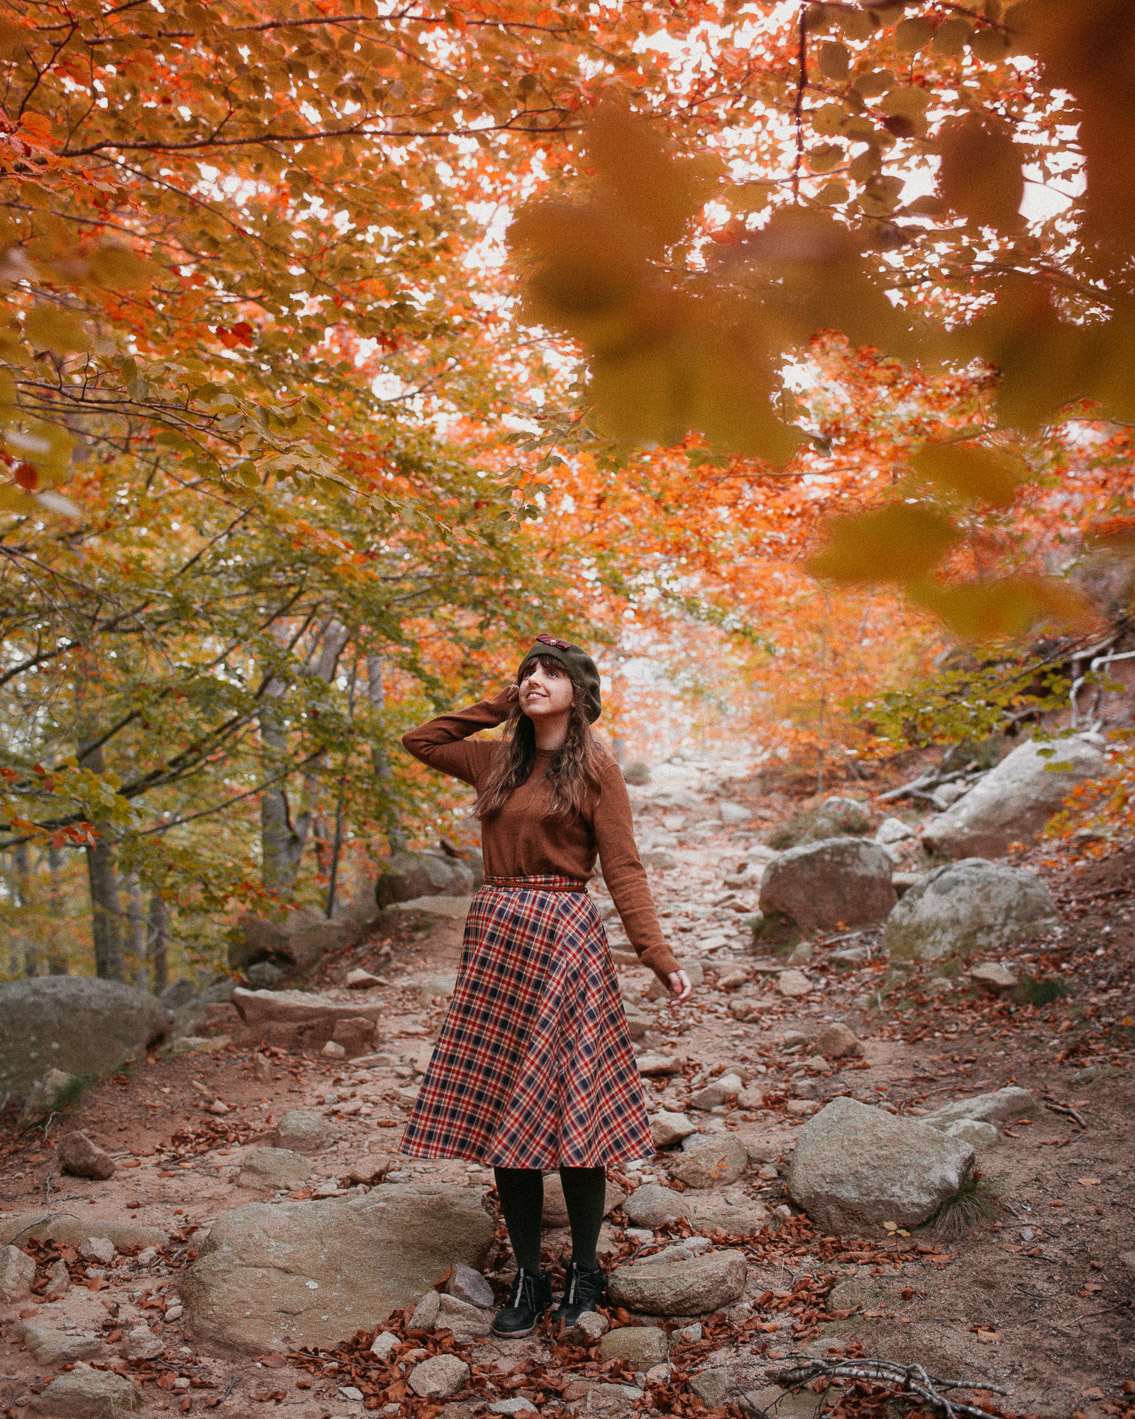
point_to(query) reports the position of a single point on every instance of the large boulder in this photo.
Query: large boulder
(317, 1272)
(296, 943)
(423, 874)
(306, 1019)
(856, 1168)
(1014, 801)
(76, 1024)
(972, 905)
(838, 881)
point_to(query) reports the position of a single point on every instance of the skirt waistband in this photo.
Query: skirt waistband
(548, 882)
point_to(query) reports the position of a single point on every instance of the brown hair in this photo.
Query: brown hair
(574, 770)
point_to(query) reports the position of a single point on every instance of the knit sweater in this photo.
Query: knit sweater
(522, 840)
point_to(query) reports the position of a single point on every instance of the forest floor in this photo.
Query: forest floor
(1035, 1295)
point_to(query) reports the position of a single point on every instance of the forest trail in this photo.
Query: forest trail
(1034, 1298)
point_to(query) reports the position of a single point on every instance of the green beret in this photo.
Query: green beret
(578, 664)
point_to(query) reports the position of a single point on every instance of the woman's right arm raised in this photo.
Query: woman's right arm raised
(444, 743)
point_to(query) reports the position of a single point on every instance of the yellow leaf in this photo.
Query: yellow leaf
(119, 267)
(913, 34)
(1000, 610)
(970, 470)
(48, 327)
(980, 174)
(899, 542)
(14, 499)
(833, 59)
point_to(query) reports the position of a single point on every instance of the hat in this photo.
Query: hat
(579, 665)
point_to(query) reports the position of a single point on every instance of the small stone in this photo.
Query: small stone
(17, 1272)
(304, 1131)
(52, 1347)
(836, 1041)
(992, 976)
(262, 1068)
(516, 1405)
(174, 1312)
(691, 1334)
(272, 1168)
(351, 1392)
(384, 1345)
(717, 1091)
(640, 1346)
(711, 1160)
(816, 1062)
(1127, 1259)
(684, 1284)
(358, 979)
(219, 1108)
(83, 1158)
(800, 954)
(439, 1376)
(974, 1131)
(667, 1127)
(733, 980)
(751, 1098)
(588, 1328)
(146, 1257)
(83, 1393)
(712, 1386)
(655, 1064)
(469, 1285)
(793, 984)
(802, 1108)
(426, 1312)
(142, 1344)
(100, 1249)
(654, 1206)
(370, 1169)
(466, 1321)
(334, 1050)
(58, 1281)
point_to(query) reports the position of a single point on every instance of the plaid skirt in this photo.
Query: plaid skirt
(533, 1067)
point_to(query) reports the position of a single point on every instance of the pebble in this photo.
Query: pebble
(142, 1344)
(384, 1344)
(100, 1249)
(793, 983)
(439, 1376)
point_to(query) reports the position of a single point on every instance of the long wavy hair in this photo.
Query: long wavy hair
(573, 772)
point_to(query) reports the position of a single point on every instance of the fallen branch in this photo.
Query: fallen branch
(905, 1379)
(928, 779)
(1067, 1110)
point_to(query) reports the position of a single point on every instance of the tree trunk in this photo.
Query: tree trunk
(376, 694)
(135, 963)
(57, 961)
(157, 944)
(106, 913)
(25, 893)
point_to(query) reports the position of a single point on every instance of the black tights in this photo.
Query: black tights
(521, 1193)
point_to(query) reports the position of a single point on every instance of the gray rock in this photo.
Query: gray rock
(258, 1008)
(638, 1020)
(978, 1135)
(856, 1167)
(836, 1041)
(263, 975)
(708, 1160)
(466, 1321)
(717, 1091)
(304, 1131)
(426, 1312)
(783, 1403)
(734, 813)
(142, 1344)
(319, 1271)
(384, 1344)
(83, 1393)
(100, 1249)
(793, 984)
(893, 830)
(840, 880)
(999, 1107)
(83, 1158)
(1014, 801)
(52, 1347)
(654, 1206)
(640, 1346)
(712, 1386)
(65, 1227)
(75, 1024)
(272, 1168)
(516, 1405)
(708, 1213)
(17, 1272)
(993, 976)
(423, 874)
(967, 906)
(178, 995)
(439, 1376)
(589, 1327)
(469, 1285)
(681, 1286)
(652, 1065)
(296, 943)
(555, 1206)
(607, 1398)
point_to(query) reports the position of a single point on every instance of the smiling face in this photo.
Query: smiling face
(546, 690)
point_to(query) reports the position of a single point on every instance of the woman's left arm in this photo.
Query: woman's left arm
(625, 877)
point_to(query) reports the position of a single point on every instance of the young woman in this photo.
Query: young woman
(533, 1068)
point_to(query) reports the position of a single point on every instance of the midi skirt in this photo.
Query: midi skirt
(533, 1067)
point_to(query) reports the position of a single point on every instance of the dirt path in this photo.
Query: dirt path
(1034, 1297)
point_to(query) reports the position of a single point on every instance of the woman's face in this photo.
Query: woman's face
(546, 690)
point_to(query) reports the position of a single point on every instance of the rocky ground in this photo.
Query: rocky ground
(1027, 1288)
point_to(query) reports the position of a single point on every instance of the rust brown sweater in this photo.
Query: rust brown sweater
(522, 841)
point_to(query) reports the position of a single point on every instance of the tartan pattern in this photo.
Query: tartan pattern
(533, 1067)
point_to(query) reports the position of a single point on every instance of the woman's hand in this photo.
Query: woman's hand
(512, 694)
(680, 987)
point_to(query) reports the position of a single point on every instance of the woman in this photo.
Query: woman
(533, 1068)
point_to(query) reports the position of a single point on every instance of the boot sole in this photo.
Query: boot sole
(511, 1334)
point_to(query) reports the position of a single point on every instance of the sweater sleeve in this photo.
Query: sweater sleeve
(625, 875)
(444, 743)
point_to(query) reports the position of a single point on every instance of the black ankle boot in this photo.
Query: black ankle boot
(531, 1293)
(585, 1289)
